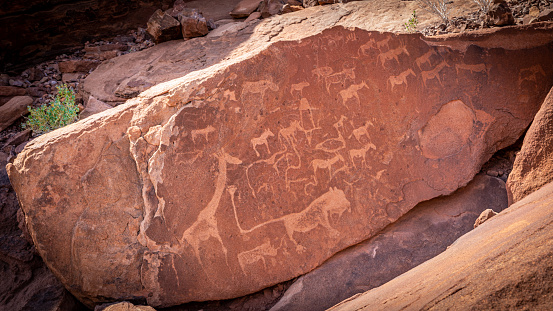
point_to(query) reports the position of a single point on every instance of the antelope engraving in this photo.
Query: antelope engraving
(351, 92)
(382, 43)
(424, 59)
(362, 131)
(361, 153)
(205, 132)
(369, 45)
(298, 87)
(333, 202)
(259, 87)
(254, 255)
(433, 74)
(322, 72)
(339, 77)
(262, 140)
(317, 164)
(400, 79)
(472, 68)
(392, 54)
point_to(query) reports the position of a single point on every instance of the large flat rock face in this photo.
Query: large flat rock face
(424, 232)
(221, 185)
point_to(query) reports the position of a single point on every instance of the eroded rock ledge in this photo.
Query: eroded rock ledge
(230, 180)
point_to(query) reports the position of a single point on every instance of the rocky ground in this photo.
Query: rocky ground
(38, 83)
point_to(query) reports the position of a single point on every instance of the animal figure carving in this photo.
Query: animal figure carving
(204, 132)
(260, 253)
(352, 92)
(318, 213)
(392, 54)
(433, 74)
(361, 153)
(205, 226)
(400, 79)
(262, 140)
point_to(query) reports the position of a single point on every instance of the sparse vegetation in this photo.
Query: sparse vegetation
(60, 112)
(438, 7)
(411, 25)
(484, 5)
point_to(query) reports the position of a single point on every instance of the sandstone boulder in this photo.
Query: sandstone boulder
(487, 214)
(124, 306)
(6, 91)
(78, 65)
(163, 27)
(193, 23)
(245, 8)
(500, 14)
(14, 109)
(533, 165)
(271, 7)
(504, 264)
(257, 170)
(93, 106)
(424, 232)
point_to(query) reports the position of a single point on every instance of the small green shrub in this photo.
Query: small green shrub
(411, 25)
(60, 112)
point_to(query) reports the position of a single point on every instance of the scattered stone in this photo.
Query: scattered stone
(77, 65)
(13, 110)
(287, 8)
(500, 14)
(310, 3)
(163, 27)
(421, 234)
(493, 173)
(36, 91)
(245, 8)
(123, 306)
(253, 16)
(4, 79)
(93, 106)
(71, 77)
(11, 91)
(546, 15)
(294, 2)
(487, 214)
(17, 83)
(19, 138)
(533, 165)
(193, 23)
(20, 147)
(271, 7)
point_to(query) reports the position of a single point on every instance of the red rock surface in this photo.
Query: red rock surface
(504, 264)
(246, 175)
(424, 232)
(533, 165)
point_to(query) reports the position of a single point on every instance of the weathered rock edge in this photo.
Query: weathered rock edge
(504, 264)
(238, 177)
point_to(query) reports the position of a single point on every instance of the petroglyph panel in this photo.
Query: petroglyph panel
(259, 172)
(336, 143)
